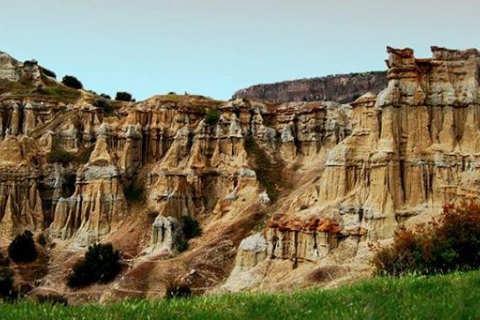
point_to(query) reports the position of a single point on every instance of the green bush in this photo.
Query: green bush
(60, 156)
(123, 96)
(103, 104)
(22, 248)
(72, 82)
(177, 290)
(48, 73)
(447, 244)
(212, 117)
(4, 261)
(269, 171)
(52, 299)
(6, 283)
(100, 265)
(133, 193)
(191, 228)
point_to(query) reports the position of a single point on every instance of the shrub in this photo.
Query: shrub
(6, 283)
(133, 193)
(4, 261)
(447, 244)
(102, 103)
(105, 96)
(72, 82)
(101, 264)
(60, 156)
(123, 96)
(191, 228)
(48, 73)
(212, 117)
(22, 248)
(85, 154)
(52, 299)
(269, 171)
(177, 290)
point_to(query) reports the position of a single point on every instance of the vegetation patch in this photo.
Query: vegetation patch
(24, 88)
(447, 244)
(60, 156)
(455, 296)
(133, 192)
(212, 117)
(191, 228)
(22, 248)
(124, 96)
(100, 265)
(269, 172)
(72, 82)
(6, 283)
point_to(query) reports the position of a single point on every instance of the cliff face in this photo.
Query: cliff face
(340, 88)
(286, 195)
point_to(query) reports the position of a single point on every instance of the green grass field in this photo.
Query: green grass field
(455, 296)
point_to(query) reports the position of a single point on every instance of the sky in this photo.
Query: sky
(215, 47)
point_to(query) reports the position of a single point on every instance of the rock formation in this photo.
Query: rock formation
(287, 195)
(343, 88)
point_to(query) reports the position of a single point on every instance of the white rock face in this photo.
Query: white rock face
(8, 68)
(251, 252)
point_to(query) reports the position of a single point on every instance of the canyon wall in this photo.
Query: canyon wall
(287, 195)
(343, 88)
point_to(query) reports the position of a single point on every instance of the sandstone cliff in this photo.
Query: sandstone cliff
(287, 195)
(343, 88)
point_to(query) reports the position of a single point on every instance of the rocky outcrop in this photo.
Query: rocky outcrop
(340, 88)
(281, 192)
(410, 151)
(13, 70)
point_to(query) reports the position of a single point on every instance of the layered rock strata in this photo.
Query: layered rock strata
(340, 88)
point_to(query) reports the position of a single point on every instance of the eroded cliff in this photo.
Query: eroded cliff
(287, 195)
(343, 88)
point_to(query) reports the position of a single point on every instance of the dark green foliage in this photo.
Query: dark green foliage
(4, 261)
(102, 103)
(6, 283)
(85, 154)
(52, 299)
(178, 290)
(123, 96)
(269, 173)
(72, 82)
(182, 244)
(22, 248)
(212, 117)
(42, 240)
(191, 228)
(100, 265)
(48, 73)
(105, 96)
(445, 245)
(133, 193)
(60, 156)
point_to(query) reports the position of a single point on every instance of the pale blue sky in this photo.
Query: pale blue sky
(214, 47)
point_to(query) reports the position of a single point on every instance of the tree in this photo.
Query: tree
(123, 96)
(6, 283)
(72, 82)
(212, 117)
(190, 227)
(22, 248)
(101, 264)
(447, 244)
